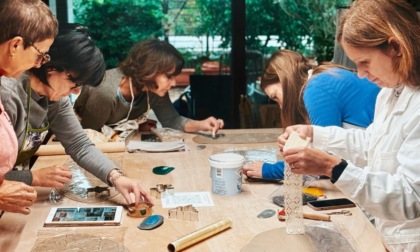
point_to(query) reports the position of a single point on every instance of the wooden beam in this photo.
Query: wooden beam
(238, 54)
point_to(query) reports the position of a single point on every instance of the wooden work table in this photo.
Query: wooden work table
(191, 174)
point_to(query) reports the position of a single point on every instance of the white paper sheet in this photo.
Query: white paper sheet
(197, 199)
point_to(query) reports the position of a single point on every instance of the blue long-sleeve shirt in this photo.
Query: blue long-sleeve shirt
(336, 97)
(273, 171)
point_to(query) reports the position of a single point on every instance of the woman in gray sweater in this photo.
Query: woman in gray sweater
(146, 75)
(39, 101)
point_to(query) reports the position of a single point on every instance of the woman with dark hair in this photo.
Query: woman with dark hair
(378, 168)
(28, 28)
(39, 101)
(146, 75)
(326, 95)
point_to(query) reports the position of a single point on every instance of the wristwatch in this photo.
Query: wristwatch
(112, 179)
(338, 170)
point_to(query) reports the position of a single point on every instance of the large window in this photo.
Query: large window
(203, 27)
(202, 31)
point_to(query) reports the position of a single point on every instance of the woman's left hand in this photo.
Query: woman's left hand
(54, 176)
(310, 161)
(126, 186)
(253, 169)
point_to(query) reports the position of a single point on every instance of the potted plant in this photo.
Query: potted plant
(183, 79)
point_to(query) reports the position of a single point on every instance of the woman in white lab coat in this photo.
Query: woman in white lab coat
(378, 168)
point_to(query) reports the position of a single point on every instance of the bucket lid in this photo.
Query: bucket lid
(226, 160)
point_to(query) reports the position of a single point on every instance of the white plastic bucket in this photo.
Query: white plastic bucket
(226, 173)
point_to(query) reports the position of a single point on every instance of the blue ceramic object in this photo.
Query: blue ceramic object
(151, 222)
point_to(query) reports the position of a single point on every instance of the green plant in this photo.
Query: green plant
(307, 26)
(117, 25)
(194, 60)
(318, 18)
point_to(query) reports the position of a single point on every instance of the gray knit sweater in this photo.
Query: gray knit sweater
(99, 106)
(63, 123)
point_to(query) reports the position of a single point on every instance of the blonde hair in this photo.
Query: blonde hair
(371, 23)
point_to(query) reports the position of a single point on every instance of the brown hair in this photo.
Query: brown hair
(31, 19)
(290, 69)
(370, 23)
(149, 58)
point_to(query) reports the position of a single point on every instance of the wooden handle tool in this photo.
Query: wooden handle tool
(316, 216)
(307, 215)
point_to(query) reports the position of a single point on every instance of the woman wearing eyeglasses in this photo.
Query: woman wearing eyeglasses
(38, 102)
(27, 30)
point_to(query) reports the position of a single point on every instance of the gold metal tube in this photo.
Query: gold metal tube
(200, 235)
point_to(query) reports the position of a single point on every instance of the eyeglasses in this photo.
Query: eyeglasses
(42, 57)
(77, 84)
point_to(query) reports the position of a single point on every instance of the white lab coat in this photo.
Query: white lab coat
(383, 172)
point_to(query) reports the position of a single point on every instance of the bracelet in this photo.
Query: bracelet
(114, 178)
(338, 170)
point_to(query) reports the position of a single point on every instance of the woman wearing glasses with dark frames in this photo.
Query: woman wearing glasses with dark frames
(34, 21)
(28, 29)
(39, 102)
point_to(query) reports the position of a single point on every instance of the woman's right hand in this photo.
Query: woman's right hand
(16, 197)
(148, 125)
(127, 186)
(56, 176)
(303, 130)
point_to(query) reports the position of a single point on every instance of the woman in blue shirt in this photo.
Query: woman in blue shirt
(327, 95)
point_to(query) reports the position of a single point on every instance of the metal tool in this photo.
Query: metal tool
(343, 212)
(98, 191)
(162, 190)
(214, 137)
(188, 212)
(54, 196)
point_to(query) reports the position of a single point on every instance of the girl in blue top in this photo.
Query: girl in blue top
(328, 95)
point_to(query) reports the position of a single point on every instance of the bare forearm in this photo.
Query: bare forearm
(192, 126)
